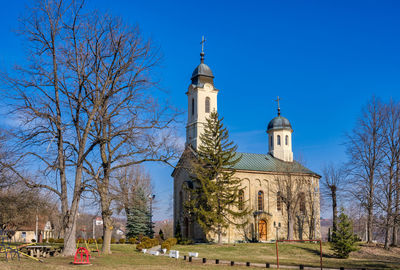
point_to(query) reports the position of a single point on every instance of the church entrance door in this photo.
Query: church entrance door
(262, 230)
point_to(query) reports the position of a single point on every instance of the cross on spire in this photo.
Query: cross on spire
(203, 40)
(279, 108)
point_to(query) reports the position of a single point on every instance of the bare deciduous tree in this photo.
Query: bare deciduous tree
(364, 148)
(130, 126)
(387, 200)
(333, 180)
(290, 187)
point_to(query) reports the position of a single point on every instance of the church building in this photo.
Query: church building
(268, 179)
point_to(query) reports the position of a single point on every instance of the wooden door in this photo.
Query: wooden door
(262, 230)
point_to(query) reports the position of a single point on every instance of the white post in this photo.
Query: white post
(94, 228)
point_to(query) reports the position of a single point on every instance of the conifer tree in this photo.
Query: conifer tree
(214, 199)
(138, 217)
(343, 238)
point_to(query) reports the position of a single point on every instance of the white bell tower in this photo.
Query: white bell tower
(280, 137)
(202, 100)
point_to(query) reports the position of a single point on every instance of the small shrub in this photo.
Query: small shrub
(51, 240)
(60, 240)
(90, 241)
(147, 244)
(155, 242)
(140, 247)
(144, 239)
(100, 241)
(44, 241)
(122, 241)
(33, 240)
(172, 241)
(132, 240)
(113, 240)
(166, 245)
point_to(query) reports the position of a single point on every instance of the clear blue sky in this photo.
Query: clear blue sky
(325, 59)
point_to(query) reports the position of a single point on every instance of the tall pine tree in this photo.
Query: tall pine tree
(214, 199)
(139, 216)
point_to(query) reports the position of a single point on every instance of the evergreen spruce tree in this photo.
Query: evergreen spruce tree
(138, 217)
(343, 239)
(214, 199)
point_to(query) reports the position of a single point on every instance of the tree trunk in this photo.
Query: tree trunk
(370, 208)
(106, 213)
(219, 235)
(70, 229)
(334, 209)
(396, 210)
(107, 234)
(290, 231)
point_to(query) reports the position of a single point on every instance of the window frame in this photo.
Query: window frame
(260, 200)
(207, 105)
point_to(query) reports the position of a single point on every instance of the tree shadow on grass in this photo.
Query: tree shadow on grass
(317, 252)
(373, 265)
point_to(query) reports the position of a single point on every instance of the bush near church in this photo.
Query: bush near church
(100, 241)
(122, 241)
(166, 246)
(132, 240)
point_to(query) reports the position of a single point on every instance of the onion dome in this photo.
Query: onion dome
(202, 73)
(279, 122)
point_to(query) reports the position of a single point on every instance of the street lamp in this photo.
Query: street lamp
(151, 198)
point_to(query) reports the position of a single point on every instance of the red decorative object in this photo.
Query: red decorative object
(82, 256)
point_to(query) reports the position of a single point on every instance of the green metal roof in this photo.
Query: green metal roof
(267, 163)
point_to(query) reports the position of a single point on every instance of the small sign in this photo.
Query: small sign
(99, 222)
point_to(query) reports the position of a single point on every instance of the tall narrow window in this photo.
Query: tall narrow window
(192, 106)
(287, 140)
(279, 140)
(241, 200)
(272, 141)
(207, 104)
(302, 199)
(278, 201)
(260, 201)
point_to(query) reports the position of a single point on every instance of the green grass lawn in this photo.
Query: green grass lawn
(126, 257)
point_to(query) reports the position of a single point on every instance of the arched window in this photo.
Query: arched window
(279, 140)
(302, 206)
(260, 201)
(278, 201)
(272, 141)
(241, 200)
(287, 140)
(192, 106)
(207, 104)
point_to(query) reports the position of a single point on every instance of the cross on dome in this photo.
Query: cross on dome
(279, 108)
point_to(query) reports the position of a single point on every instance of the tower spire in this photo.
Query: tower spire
(279, 108)
(203, 40)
